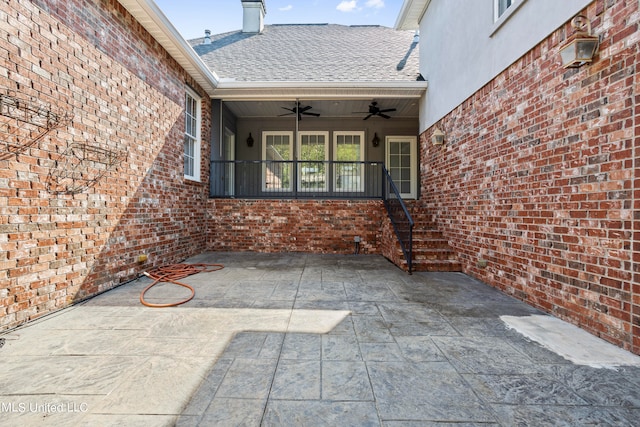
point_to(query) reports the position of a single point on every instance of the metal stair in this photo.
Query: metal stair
(431, 250)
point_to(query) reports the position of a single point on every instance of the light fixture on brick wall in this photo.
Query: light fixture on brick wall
(437, 137)
(250, 140)
(582, 46)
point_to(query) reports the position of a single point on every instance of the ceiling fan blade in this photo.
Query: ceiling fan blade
(286, 114)
(384, 115)
(388, 110)
(289, 109)
(303, 109)
(366, 118)
(311, 114)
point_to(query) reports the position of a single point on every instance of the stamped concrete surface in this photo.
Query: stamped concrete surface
(312, 340)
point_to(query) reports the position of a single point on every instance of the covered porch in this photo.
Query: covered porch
(315, 170)
(315, 141)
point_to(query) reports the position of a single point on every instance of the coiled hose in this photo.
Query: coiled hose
(173, 273)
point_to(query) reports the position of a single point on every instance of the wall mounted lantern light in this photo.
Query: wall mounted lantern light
(582, 46)
(376, 140)
(437, 137)
(250, 140)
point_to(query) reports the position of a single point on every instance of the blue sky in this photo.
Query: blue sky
(192, 17)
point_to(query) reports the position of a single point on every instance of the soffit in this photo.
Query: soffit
(411, 14)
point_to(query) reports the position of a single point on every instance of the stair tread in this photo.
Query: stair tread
(431, 250)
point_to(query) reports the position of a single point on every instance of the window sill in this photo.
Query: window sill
(192, 181)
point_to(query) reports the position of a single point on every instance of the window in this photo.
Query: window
(192, 126)
(313, 151)
(277, 151)
(348, 152)
(229, 154)
(501, 7)
(502, 11)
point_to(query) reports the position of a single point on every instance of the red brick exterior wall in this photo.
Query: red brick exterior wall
(314, 226)
(91, 60)
(540, 176)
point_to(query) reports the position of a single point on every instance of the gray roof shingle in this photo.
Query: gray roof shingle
(313, 52)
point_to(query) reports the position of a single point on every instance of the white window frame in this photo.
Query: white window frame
(359, 187)
(265, 135)
(498, 5)
(301, 187)
(192, 137)
(413, 168)
(229, 154)
(500, 18)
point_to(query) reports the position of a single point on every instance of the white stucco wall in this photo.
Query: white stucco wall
(462, 48)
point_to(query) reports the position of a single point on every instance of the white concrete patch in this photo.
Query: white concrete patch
(571, 342)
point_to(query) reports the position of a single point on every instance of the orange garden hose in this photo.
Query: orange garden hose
(173, 273)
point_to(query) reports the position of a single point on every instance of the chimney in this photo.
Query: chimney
(207, 37)
(253, 17)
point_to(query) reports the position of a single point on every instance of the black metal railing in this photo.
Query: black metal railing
(400, 218)
(296, 179)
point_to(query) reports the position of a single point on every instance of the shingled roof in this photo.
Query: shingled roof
(312, 53)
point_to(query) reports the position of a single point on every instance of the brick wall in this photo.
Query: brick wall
(540, 177)
(80, 204)
(316, 226)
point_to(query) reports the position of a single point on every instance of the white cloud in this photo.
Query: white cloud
(378, 4)
(347, 6)
(286, 8)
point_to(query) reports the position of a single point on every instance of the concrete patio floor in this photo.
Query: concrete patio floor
(313, 340)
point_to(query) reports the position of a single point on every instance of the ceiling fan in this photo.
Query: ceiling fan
(374, 110)
(299, 110)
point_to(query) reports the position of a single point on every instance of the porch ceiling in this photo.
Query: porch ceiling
(349, 108)
(335, 107)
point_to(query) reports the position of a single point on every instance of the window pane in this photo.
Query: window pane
(348, 148)
(503, 5)
(189, 159)
(191, 140)
(348, 176)
(312, 167)
(312, 147)
(277, 171)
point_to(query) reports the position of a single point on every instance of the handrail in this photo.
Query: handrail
(400, 218)
(296, 179)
